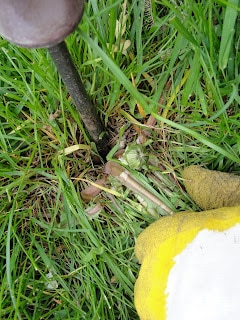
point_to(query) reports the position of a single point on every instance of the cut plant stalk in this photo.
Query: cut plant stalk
(39, 24)
(124, 176)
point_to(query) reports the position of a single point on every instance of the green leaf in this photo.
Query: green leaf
(181, 28)
(227, 34)
(117, 72)
(199, 137)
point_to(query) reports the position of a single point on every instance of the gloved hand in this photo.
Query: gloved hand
(191, 261)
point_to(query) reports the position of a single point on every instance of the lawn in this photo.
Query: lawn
(164, 76)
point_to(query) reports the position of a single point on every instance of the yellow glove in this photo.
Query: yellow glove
(212, 189)
(190, 263)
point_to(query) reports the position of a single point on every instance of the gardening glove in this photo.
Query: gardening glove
(190, 261)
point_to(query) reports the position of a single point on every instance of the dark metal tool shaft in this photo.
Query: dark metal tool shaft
(40, 24)
(88, 112)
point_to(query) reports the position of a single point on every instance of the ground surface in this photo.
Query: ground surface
(164, 76)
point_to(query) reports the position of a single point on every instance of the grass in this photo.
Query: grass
(184, 58)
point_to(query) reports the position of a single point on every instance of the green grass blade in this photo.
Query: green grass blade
(199, 137)
(181, 28)
(44, 222)
(227, 34)
(122, 78)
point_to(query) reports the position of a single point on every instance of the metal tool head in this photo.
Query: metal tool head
(39, 23)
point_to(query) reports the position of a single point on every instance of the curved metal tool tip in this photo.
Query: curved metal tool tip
(36, 24)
